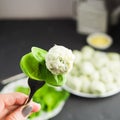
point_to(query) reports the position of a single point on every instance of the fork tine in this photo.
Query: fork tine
(34, 86)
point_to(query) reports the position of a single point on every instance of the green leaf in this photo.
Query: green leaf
(47, 96)
(55, 80)
(38, 70)
(38, 53)
(50, 97)
(30, 66)
(22, 89)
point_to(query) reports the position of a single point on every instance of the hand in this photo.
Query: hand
(12, 108)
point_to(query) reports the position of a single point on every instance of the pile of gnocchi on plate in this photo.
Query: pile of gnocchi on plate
(94, 72)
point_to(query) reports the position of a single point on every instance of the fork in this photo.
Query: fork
(34, 86)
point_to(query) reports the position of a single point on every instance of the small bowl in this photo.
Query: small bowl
(99, 40)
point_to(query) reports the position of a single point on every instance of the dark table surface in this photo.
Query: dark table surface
(17, 38)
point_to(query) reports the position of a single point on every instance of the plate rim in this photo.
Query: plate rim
(88, 95)
(109, 38)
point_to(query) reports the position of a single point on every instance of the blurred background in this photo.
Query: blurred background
(46, 22)
(43, 23)
(84, 12)
(29, 9)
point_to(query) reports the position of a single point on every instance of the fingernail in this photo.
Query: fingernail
(26, 110)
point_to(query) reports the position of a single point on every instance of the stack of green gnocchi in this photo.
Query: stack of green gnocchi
(94, 72)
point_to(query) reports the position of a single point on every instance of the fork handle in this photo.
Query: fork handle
(34, 86)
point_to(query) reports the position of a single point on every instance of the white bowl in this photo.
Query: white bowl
(99, 40)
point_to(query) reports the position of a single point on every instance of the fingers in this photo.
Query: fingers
(12, 105)
(13, 98)
(20, 113)
(23, 112)
(36, 106)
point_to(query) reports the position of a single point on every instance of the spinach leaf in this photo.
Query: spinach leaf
(33, 65)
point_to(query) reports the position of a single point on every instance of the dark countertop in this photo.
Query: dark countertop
(17, 38)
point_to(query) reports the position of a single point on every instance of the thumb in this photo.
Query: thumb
(20, 113)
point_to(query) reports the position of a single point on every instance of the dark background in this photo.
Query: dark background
(16, 39)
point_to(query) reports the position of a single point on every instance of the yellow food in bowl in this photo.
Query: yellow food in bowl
(99, 40)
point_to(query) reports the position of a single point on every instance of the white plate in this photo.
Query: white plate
(87, 95)
(23, 82)
(101, 46)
